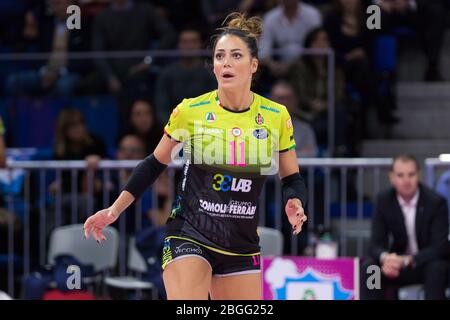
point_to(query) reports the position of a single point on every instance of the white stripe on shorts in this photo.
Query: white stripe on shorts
(236, 273)
(186, 256)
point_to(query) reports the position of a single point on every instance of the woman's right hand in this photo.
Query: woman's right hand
(97, 222)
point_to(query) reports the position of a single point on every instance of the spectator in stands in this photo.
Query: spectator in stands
(73, 141)
(216, 11)
(131, 147)
(2, 153)
(150, 240)
(128, 26)
(346, 27)
(309, 78)
(60, 75)
(2, 145)
(192, 13)
(306, 147)
(186, 78)
(9, 221)
(149, 228)
(257, 7)
(351, 40)
(443, 187)
(160, 214)
(11, 14)
(304, 136)
(285, 28)
(426, 18)
(416, 219)
(143, 123)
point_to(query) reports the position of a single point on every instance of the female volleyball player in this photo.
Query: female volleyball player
(230, 138)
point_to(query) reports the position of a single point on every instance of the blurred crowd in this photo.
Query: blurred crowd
(314, 55)
(363, 73)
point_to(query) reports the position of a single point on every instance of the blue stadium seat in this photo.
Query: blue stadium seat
(352, 210)
(33, 121)
(385, 53)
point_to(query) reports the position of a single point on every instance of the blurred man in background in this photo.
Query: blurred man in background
(129, 26)
(60, 75)
(416, 218)
(285, 28)
(304, 136)
(187, 77)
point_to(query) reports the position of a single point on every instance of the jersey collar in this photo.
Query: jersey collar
(231, 110)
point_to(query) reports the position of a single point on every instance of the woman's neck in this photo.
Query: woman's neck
(235, 100)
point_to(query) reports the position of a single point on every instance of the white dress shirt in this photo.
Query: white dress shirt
(286, 35)
(409, 210)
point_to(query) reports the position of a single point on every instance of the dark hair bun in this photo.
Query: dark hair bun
(252, 26)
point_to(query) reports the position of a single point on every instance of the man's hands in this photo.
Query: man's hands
(393, 263)
(296, 214)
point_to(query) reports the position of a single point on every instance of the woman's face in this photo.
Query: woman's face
(321, 41)
(142, 116)
(76, 130)
(233, 63)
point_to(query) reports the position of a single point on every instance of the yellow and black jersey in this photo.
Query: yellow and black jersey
(228, 155)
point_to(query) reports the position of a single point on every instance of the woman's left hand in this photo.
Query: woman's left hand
(296, 214)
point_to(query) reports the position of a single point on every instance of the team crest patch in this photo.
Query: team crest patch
(259, 119)
(210, 117)
(289, 123)
(236, 132)
(260, 133)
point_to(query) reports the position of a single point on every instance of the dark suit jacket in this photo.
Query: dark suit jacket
(79, 41)
(432, 226)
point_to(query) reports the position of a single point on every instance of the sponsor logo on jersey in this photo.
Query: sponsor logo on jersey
(233, 209)
(289, 123)
(202, 103)
(210, 130)
(210, 117)
(260, 133)
(259, 119)
(187, 248)
(226, 183)
(236, 132)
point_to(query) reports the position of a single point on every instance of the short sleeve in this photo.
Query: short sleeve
(286, 138)
(176, 128)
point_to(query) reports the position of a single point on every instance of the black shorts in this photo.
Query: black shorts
(222, 263)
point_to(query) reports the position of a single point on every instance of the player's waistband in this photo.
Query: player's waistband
(228, 253)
